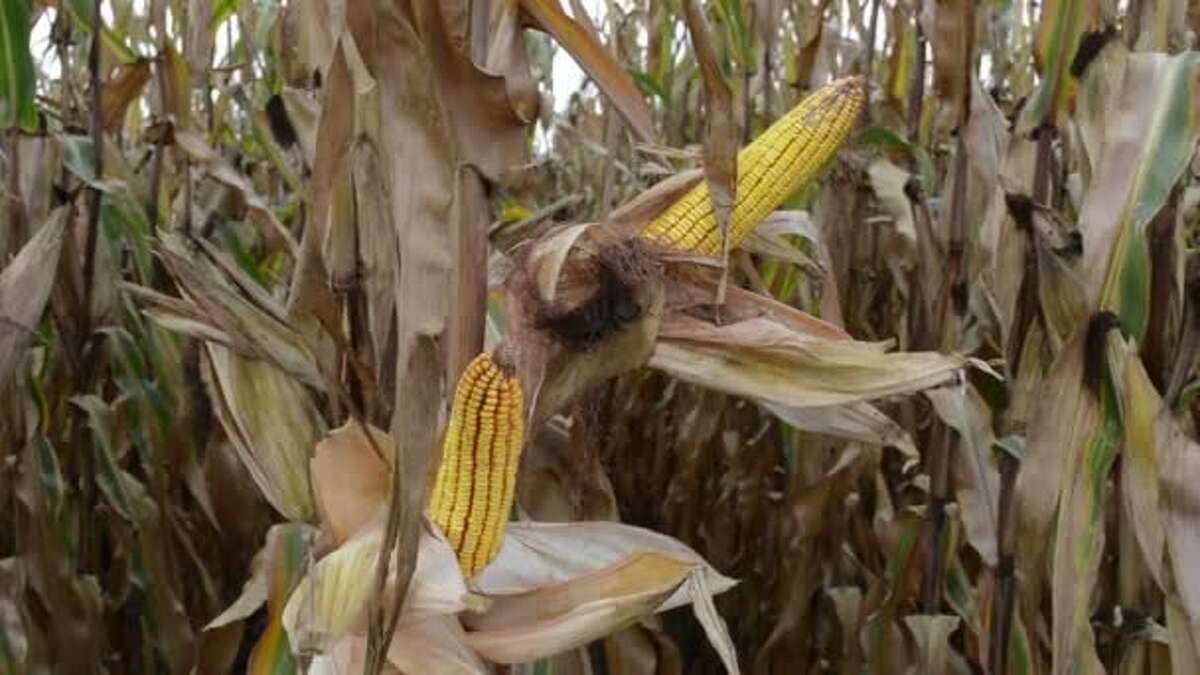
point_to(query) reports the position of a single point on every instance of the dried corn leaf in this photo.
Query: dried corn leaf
(720, 130)
(1179, 464)
(931, 633)
(1148, 144)
(765, 361)
(583, 46)
(122, 88)
(1061, 423)
(977, 482)
(25, 286)
(1079, 537)
(854, 421)
(272, 421)
(1140, 496)
(254, 330)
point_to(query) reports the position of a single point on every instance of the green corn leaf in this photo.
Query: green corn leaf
(16, 75)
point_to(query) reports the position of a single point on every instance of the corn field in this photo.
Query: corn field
(600, 337)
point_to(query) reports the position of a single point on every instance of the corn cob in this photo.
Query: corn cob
(784, 157)
(473, 492)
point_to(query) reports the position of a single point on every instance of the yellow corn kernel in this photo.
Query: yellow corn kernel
(784, 157)
(473, 492)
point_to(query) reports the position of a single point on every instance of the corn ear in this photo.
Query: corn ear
(473, 492)
(784, 157)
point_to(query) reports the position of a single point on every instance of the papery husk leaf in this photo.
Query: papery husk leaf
(333, 598)
(543, 622)
(557, 586)
(433, 645)
(350, 481)
(763, 360)
(535, 555)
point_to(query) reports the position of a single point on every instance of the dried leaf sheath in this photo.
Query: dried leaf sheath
(784, 157)
(473, 492)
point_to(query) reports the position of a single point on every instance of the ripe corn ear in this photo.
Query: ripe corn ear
(784, 157)
(473, 492)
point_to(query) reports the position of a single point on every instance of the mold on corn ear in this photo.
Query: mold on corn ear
(473, 491)
(582, 304)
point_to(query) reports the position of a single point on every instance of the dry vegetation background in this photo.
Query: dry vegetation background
(227, 226)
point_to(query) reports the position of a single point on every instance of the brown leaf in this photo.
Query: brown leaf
(25, 286)
(1141, 495)
(949, 25)
(977, 481)
(1179, 464)
(616, 84)
(122, 88)
(720, 130)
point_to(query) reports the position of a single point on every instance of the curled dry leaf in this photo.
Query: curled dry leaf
(854, 421)
(766, 361)
(253, 325)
